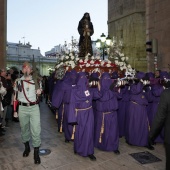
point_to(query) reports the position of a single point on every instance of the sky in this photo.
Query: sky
(47, 23)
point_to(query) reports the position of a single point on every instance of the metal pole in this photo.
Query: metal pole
(103, 53)
(156, 62)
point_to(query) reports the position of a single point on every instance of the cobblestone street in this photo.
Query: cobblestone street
(62, 156)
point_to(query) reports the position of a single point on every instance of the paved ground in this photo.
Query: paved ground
(62, 156)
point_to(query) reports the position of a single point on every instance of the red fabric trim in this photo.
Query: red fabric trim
(25, 93)
(28, 81)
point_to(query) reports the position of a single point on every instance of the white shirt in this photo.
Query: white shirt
(28, 88)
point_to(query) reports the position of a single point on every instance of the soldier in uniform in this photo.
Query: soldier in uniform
(26, 93)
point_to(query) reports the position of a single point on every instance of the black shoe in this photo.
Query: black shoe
(67, 141)
(117, 152)
(1, 134)
(92, 157)
(75, 152)
(27, 149)
(15, 119)
(3, 130)
(128, 143)
(150, 147)
(36, 156)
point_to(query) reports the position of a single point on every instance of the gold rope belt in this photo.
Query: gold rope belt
(147, 118)
(74, 127)
(134, 102)
(61, 126)
(102, 126)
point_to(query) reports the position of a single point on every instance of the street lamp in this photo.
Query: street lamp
(103, 43)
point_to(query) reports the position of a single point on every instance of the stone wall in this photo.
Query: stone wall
(158, 26)
(126, 22)
(3, 27)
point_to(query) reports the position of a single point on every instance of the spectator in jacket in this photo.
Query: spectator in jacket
(162, 119)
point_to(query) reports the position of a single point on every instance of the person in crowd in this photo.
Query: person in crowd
(52, 81)
(93, 81)
(162, 119)
(29, 112)
(14, 76)
(157, 74)
(107, 132)
(123, 104)
(82, 118)
(137, 120)
(85, 29)
(114, 75)
(56, 101)
(45, 88)
(156, 91)
(9, 96)
(61, 96)
(2, 94)
(5, 100)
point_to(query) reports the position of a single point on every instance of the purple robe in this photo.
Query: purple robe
(56, 101)
(81, 117)
(156, 92)
(107, 134)
(138, 124)
(123, 104)
(61, 98)
(93, 90)
(51, 84)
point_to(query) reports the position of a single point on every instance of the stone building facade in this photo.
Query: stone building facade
(17, 53)
(126, 22)
(158, 27)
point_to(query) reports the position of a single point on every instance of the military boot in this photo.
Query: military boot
(27, 149)
(36, 156)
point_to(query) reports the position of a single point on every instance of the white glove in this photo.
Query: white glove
(38, 91)
(15, 114)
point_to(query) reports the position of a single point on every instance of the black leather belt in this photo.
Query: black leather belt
(27, 104)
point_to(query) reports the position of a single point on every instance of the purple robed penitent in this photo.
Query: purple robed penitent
(61, 98)
(81, 116)
(51, 84)
(137, 121)
(123, 104)
(156, 91)
(95, 78)
(57, 101)
(107, 134)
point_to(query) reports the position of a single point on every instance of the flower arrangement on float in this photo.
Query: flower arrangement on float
(119, 58)
(71, 60)
(88, 64)
(117, 61)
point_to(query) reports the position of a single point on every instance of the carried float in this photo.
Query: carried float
(116, 62)
(88, 64)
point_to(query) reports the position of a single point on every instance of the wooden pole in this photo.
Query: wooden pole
(3, 32)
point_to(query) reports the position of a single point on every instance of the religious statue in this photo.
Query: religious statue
(85, 29)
